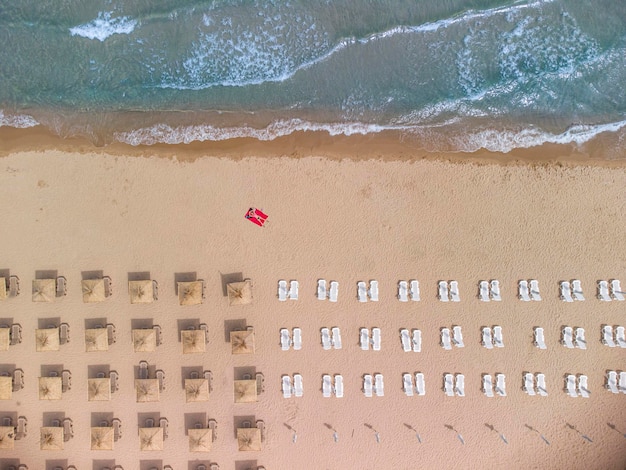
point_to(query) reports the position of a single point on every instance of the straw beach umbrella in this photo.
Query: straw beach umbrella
(200, 440)
(6, 388)
(51, 438)
(194, 341)
(144, 340)
(93, 290)
(239, 293)
(147, 390)
(102, 438)
(3, 288)
(190, 293)
(242, 342)
(141, 292)
(7, 437)
(245, 391)
(50, 388)
(44, 290)
(47, 339)
(196, 390)
(150, 438)
(5, 338)
(249, 439)
(96, 339)
(99, 389)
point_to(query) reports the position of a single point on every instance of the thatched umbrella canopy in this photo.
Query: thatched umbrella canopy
(194, 341)
(141, 292)
(196, 390)
(147, 390)
(93, 290)
(47, 339)
(3, 288)
(245, 391)
(239, 293)
(102, 438)
(190, 293)
(249, 439)
(51, 438)
(99, 389)
(96, 339)
(242, 342)
(200, 440)
(7, 437)
(144, 340)
(44, 290)
(50, 388)
(6, 388)
(150, 438)
(5, 338)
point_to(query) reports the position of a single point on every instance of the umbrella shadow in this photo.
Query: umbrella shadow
(573, 428)
(411, 428)
(613, 427)
(330, 426)
(289, 427)
(458, 434)
(500, 435)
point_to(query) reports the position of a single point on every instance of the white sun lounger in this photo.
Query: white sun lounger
(448, 384)
(566, 291)
(567, 337)
(570, 385)
(379, 385)
(405, 339)
(443, 291)
(580, 338)
(603, 291)
(483, 291)
(445, 339)
(373, 292)
(336, 338)
(326, 342)
(583, 389)
(407, 384)
(415, 290)
(376, 339)
(338, 385)
(524, 293)
(497, 337)
(529, 383)
(577, 290)
(541, 385)
(616, 290)
(457, 338)
(495, 290)
(367, 385)
(539, 338)
(460, 385)
(365, 338)
(620, 336)
(361, 291)
(321, 289)
(286, 386)
(622, 382)
(333, 293)
(326, 386)
(454, 291)
(487, 386)
(611, 381)
(534, 290)
(282, 290)
(285, 339)
(293, 290)
(297, 339)
(501, 385)
(297, 385)
(420, 384)
(607, 336)
(403, 295)
(417, 340)
(487, 342)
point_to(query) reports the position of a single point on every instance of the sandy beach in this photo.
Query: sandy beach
(358, 218)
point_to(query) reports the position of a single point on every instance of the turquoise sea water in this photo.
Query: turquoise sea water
(458, 75)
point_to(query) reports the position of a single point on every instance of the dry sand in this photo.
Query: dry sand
(341, 220)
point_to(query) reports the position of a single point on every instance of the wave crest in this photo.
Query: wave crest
(104, 26)
(20, 121)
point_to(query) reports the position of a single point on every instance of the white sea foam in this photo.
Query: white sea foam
(104, 26)
(20, 121)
